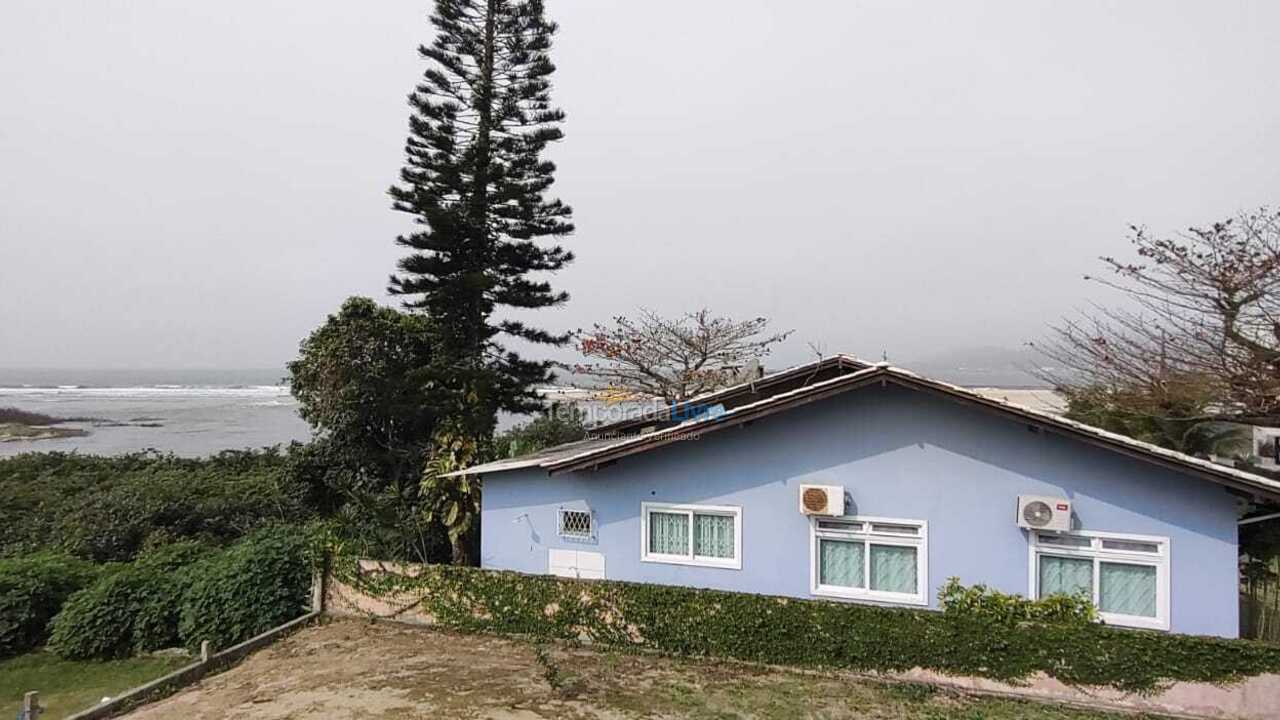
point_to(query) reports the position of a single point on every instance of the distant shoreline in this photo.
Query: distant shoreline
(23, 425)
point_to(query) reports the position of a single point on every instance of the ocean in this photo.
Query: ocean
(185, 412)
(200, 412)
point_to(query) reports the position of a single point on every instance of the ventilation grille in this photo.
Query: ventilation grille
(575, 524)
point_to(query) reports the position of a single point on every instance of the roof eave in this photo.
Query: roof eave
(841, 360)
(1228, 477)
(731, 419)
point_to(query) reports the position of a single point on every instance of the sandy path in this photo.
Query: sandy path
(353, 669)
(357, 669)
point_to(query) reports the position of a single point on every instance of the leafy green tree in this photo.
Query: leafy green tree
(361, 384)
(454, 502)
(559, 424)
(475, 183)
(1169, 418)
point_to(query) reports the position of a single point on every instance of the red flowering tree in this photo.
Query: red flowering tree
(675, 359)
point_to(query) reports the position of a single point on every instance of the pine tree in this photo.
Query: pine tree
(475, 182)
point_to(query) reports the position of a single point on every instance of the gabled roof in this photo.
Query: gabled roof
(594, 453)
(740, 394)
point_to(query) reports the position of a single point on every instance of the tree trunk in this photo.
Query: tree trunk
(466, 547)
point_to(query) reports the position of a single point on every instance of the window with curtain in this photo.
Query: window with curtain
(1126, 577)
(870, 558)
(692, 534)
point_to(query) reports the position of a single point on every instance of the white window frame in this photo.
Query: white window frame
(1099, 554)
(591, 525)
(867, 535)
(734, 511)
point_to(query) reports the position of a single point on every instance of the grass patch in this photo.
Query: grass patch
(67, 686)
(648, 685)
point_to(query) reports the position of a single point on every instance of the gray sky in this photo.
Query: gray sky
(196, 184)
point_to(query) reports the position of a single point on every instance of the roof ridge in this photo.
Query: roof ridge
(746, 384)
(1109, 439)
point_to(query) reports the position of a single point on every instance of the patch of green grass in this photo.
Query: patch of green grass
(910, 692)
(637, 686)
(997, 709)
(67, 686)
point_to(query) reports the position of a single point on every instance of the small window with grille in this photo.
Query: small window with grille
(575, 524)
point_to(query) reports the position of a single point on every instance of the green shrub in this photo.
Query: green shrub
(756, 628)
(32, 590)
(111, 508)
(983, 602)
(156, 625)
(255, 585)
(131, 608)
(174, 556)
(99, 622)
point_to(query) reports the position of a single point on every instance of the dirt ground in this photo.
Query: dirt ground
(357, 669)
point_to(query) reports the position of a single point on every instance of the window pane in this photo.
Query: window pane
(895, 529)
(713, 536)
(840, 563)
(1064, 540)
(1127, 589)
(893, 568)
(1065, 576)
(840, 526)
(668, 533)
(1131, 546)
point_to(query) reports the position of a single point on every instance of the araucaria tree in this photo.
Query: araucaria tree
(475, 181)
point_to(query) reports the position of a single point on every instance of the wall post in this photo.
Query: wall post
(31, 706)
(320, 584)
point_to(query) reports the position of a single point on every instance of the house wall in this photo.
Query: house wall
(898, 453)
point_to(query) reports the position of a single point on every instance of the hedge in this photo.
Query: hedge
(124, 611)
(32, 590)
(257, 584)
(185, 593)
(786, 631)
(133, 608)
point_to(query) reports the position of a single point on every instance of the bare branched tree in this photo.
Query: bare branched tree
(675, 359)
(1201, 335)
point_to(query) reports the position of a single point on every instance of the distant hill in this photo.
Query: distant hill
(972, 367)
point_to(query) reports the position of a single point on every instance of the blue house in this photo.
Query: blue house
(852, 482)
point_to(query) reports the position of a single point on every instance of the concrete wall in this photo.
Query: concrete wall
(898, 453)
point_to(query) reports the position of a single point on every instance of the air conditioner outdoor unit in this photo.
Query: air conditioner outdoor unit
(1038, 512)
(822, 500)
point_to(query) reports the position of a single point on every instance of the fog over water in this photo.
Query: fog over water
(190, 188)
(197, 184)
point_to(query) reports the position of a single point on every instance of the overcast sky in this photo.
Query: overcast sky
(197, 184)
